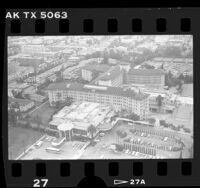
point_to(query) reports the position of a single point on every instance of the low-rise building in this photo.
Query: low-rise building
(89, 72)
(17, 87)
(37, 97)
(113, 77)
(77, 119)
(23, 104)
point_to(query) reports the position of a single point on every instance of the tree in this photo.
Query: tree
(92, 130)
(148, 66)
(14, 112)
(37, 120)
(119, 147)
(57, 104)
(12, 118)
(151, 120)
(69, 101)
(159, 100)
(134, 117)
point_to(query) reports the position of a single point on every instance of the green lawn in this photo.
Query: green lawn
(45, 112)
(20, 139)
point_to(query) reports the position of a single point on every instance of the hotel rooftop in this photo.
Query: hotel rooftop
(81, 115)
(115, 91)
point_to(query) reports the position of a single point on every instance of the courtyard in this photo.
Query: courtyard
(19, 139)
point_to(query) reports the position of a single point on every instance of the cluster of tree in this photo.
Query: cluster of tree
(14, 49)
(17, 94)
(151, 120)
(187, 79)
(35, 123)
(60, 104)
(20, 80)
(169, 51)
(172, 81)
(133, 116)
(121, 133)
(119, 147)
(146, 66)
(145, 56)
(13, 113)
(173, 127)
(172, 51)
(129, 115)
(44, 84)
(92, 130)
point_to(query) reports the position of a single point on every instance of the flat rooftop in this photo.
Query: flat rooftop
(81, 115)
(146, 72)
(116, 91)
(98, 68)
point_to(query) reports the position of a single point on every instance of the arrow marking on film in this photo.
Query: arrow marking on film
(117, 182)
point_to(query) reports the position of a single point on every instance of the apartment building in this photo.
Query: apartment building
(116, 97)
(89, 72)
(147, 77)
(112, 77)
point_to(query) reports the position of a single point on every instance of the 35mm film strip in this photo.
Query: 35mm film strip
(101, 96)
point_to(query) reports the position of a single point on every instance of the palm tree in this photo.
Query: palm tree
(159, 100)
(119, 134)
(92, 130)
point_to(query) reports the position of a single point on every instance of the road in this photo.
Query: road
(37, 107)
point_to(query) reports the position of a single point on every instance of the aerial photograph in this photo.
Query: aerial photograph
(100, 97)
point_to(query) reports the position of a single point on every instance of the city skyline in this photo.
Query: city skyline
(100, 97)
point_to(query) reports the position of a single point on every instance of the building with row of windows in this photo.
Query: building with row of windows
(21, 105)
(112, 78)
(90, 72)
(147, 77)
(116, 97)
(106, 75)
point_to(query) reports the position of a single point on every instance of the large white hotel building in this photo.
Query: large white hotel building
(116, 97)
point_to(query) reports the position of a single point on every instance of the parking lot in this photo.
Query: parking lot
(102, 147)
(69, 150)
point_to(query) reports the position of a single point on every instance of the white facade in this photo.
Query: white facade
(140, 107)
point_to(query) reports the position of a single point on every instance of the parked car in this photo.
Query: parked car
(102, 134)
(96, 139)
(133, 152)
(127, 151)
